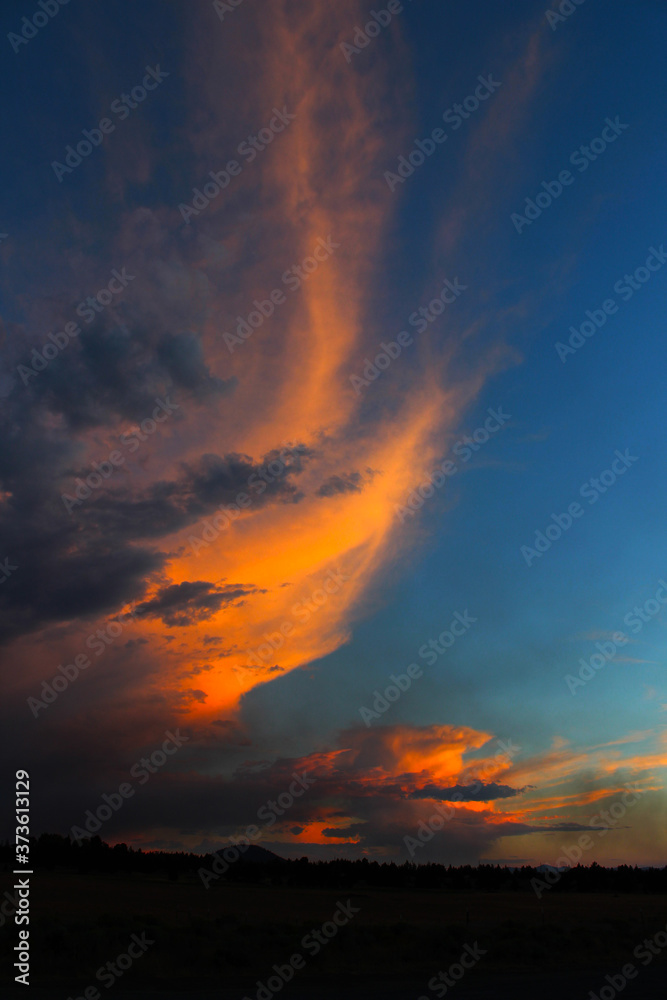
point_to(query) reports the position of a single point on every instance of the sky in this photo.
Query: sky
(332, 426)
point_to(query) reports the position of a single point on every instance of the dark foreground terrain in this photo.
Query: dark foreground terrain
(224, 942)
(516, 986)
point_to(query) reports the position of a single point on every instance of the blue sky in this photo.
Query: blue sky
(493, 348)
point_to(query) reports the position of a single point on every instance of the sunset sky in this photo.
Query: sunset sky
(209, 488)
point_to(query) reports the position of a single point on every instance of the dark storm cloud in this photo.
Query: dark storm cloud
(349, 482)
(475, 792)
(190, 602)
(112, 371)
(216, 479)
(374, 816)
(212, 640)
(83, 563)
(54, 581)
(169, 505)
(65, 571)
(87, 562)
(182, 357)
(353, 830)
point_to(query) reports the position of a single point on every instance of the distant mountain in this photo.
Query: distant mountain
(253, 855)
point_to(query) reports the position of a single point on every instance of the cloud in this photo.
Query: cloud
(114, 370)
(319, 181)
(183, 359)
(167, 506)
(476, 792)
(189, 602)
(369, 791)
(349, 482)
(58, 582)
(78, 564)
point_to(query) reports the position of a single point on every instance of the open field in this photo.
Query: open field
(226, 938)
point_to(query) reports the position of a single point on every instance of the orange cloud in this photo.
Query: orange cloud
(319, 180)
